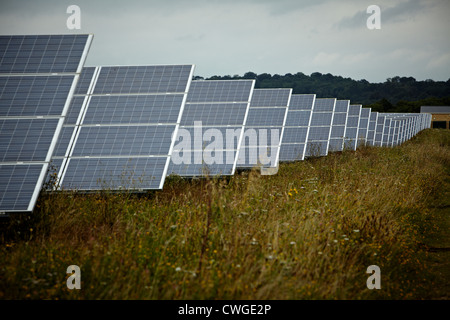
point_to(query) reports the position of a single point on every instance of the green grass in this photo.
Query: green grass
(308, 232)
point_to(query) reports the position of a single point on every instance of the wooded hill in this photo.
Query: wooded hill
(397, 94)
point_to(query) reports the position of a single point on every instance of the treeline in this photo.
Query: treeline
(397, 94)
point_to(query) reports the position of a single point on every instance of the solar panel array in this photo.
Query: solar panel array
(264, 128)
(293, 145)
(320, 127)
(121, 128)
(38, 75)
(128, 127)
(212, 128)
(339, 125)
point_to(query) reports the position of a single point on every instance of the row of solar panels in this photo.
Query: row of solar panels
(128, 127)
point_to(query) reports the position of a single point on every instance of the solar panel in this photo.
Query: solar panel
(398, 124)
(121, 127)
(372, 128)
(386, 131)
(379, 130)
(339, 125)
(38, 75)
(320, 128)
(264, 128)
(293, 145)
(363, 127)
(351, 131)
(212, 128)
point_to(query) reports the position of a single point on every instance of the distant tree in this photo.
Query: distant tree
(250, 75)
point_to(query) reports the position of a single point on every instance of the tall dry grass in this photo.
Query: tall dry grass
(309, 232)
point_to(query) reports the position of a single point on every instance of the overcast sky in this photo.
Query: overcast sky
(263, 36)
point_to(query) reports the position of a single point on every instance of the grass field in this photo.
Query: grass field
(308, 232)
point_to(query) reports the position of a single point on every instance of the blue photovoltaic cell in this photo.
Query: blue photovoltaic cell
(319, 133)
(85, 80)
(302, 102)
(270, 97)
(294, 135)
(114, 173)
(41, 53)
(266, 117)
(74, 110)
(123, 141)
(342, 106)
(216, 114)
(133, 109)
(143, 79)
(340, 119)
(298, 119)
(324, 105)
(63, 141)
(338, 132)
(321, 119)
(219, 91)
(26, 139)
(352, 122)
(18, 183)
(33, 95)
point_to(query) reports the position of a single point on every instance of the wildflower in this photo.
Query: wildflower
(177, 269)
(292, 243)
(356, 230)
